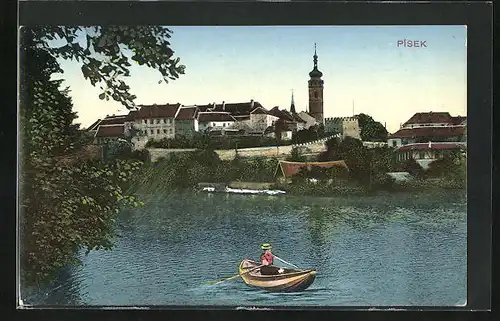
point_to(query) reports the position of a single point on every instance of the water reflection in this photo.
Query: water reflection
(391, 249)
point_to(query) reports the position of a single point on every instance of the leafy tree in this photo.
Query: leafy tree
(371, 130)
(296, 155)
(66, 207)
(106, 53)
(411, 166)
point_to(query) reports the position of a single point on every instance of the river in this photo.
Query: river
(394, 249)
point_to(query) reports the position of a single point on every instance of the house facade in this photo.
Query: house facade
(345, 126)
(426, 153)
(260, 119)
(430, 127)
(214, 120)
(428, 136)
(156, 121)
(186, 122)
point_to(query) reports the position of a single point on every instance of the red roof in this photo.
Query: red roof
(432, 146)
(94, 125)
(292, 168)
(430, 117)
(449, 131)
(157, 111)
(459, 120)
(214, 116)
(186, 113)
(110, 131)
(237, 109)
(132, 115)
(282, 114)
(260, 111)
(114, 120)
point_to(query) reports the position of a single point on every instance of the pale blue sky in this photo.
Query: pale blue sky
(359, 63)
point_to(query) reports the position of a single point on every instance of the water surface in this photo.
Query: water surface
(399, 249)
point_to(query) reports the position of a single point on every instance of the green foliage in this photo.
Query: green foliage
(308, 135)
(411, 166)
(107, 52)
(69, 206)
(371, 130)
(296, 155)
(367, 167)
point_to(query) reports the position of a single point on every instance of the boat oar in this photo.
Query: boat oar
(295, 266)
(234, 276)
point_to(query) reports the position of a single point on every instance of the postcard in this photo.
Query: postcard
(245, 166)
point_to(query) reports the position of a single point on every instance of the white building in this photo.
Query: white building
(430, 127)
(216, 120)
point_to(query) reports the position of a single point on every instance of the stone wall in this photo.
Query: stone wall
(317, 146)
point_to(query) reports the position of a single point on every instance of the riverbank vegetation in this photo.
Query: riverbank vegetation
(207, 141)
(367, 173)
(68, 204)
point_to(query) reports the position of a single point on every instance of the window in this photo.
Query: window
(170, 131)
(152, 132)
(164, 131)
(213, 124)
(223, 124)
(158, 121)
(145, 121)
(158, 131)
(315, 94)
(164, 121)
(394, 143)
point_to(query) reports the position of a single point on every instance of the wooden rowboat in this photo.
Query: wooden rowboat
(288, 281)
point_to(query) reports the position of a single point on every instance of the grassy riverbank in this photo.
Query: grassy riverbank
(187, 170)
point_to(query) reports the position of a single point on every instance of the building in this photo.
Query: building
(214, 120)
(292, 122)
(430, 127)
(427, 136)
(156, 121)
(316, 91)
(186, 121)
(108, 129)
(426, 153)
(345, 126)
(308, 119)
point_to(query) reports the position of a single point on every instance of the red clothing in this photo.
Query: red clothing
(268, 257)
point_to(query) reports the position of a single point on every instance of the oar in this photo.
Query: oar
(234, 276)
(295, 266)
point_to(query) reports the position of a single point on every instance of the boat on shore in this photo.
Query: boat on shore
(220, 188)
(290, 280)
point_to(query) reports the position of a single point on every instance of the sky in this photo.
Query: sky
(364, 70)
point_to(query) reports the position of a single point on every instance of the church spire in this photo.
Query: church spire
(315, 58)
(315, 73)
(292, 106)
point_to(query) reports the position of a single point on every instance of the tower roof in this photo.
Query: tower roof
(292, 105)
(315, 73)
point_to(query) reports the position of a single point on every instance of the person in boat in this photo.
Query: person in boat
(267, 259)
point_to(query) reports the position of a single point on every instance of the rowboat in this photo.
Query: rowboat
(288, 281)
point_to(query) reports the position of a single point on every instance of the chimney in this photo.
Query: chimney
(430, 144)
(223, 105)
(251, 103)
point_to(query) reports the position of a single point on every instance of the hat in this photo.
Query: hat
(266, 246)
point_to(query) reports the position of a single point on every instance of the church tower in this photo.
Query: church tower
(316, 91)
(292, 106)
